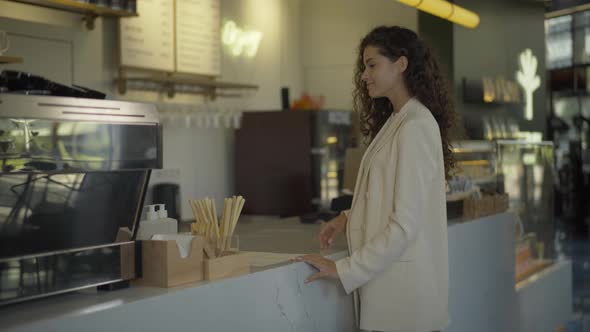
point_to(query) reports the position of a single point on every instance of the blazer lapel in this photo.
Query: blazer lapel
(383, 137)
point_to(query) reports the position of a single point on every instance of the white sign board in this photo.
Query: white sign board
(198, 46)
(147, 41)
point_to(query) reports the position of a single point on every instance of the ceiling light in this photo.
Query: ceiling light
(446, 10)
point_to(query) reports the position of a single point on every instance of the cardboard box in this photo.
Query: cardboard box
(231, 263)
(501, 203)
(127, 253)
(128, 261)
(164, 267)
(476, 208)
(487, 205)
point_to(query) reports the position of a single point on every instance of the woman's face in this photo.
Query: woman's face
(382, 75)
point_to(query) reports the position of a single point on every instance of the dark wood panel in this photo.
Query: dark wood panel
(273, 162)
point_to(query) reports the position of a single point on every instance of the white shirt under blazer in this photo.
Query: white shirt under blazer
(397, 228)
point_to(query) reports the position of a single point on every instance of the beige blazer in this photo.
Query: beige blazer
(397, 228)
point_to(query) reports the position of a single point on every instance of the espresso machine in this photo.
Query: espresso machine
(73, 177)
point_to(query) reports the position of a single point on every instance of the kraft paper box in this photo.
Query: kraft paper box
(476, 208)
(487, 205)
(164, 266)
(501, 203)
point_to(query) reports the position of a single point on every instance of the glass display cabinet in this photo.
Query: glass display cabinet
(526, 172)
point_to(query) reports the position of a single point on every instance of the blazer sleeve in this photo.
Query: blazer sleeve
(416, 167)
(346, 213)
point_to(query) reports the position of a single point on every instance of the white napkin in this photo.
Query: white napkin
(183, 242)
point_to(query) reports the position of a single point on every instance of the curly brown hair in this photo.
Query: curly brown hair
(422, 77)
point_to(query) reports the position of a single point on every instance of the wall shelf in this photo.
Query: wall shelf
(172, 84)
(90, 11)
(10, 59)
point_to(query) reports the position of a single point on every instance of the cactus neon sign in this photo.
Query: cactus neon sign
(240, 42)
(528, 79)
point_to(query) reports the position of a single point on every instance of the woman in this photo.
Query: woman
(397, 226)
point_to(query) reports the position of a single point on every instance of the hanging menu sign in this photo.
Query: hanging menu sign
(198, 48)
(147, 41)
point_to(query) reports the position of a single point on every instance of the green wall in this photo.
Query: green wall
(507, 28)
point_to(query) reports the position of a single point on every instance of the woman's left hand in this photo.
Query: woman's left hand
(326, 267)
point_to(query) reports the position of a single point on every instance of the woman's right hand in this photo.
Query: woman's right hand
(330, 230)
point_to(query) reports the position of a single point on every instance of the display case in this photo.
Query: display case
(477, 161)
(525, 172)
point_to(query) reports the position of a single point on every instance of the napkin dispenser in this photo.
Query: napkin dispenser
(171, 260)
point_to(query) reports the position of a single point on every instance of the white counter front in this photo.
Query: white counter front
(274, 298)
(271, 298)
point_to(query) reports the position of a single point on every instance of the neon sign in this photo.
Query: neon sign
(240, 42)
(528, 79)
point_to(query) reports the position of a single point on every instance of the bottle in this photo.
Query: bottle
(171, 224)
(157, 223)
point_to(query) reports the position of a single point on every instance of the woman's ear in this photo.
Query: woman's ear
(402, 63)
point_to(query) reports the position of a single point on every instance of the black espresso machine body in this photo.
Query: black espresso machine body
(73, 177)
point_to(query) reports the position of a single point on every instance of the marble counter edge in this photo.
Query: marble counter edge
(531, 280)
(73, 305)
(89, 302)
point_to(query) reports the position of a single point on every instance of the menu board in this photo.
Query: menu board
(198, 47)
(147, 40)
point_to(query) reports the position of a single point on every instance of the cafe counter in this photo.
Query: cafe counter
(274, 297)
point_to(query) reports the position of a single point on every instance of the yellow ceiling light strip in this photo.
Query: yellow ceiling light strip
(446, 10)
